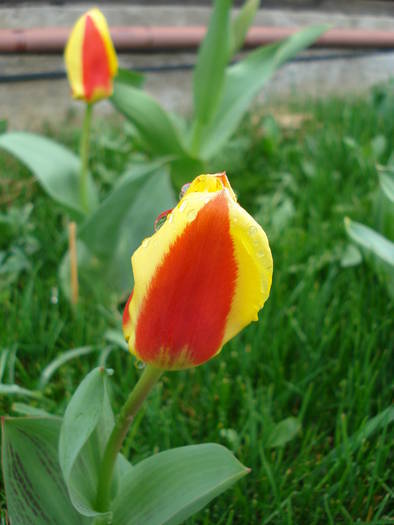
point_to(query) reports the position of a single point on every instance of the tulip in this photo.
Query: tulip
(90, 58)
(198, 280)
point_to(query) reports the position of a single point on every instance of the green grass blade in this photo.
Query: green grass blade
(54, 365)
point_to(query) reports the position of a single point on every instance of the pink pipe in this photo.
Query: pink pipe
(154, 38)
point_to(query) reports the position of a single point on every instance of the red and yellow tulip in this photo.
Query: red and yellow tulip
(90, 58)
(198, 280)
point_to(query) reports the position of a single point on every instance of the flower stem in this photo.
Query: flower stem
(84, 153)
(138, 395)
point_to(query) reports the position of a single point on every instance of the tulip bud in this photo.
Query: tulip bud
(90, 58)
(198, 280)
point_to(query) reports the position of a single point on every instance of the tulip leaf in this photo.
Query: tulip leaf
(169, 487)
(35, 490)
(371, 240)
(376, 245)
(243, 82)
(130, 77)
(55, 167)
(155, 127)
(241, 24)
(87, 424)
(212, 59)
(124, 218)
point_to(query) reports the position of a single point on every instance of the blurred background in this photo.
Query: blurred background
(318, 72)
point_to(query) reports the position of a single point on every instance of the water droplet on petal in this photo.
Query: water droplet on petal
(184, 189)
(252, 230)
(183, 206)
(145, 243)
(161, 219)
(170, 218)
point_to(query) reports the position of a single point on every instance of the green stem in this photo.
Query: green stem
(84, 153)
(137, 396)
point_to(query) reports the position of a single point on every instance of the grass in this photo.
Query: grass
(319, 359)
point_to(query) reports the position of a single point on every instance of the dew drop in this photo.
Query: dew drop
(183, 206)
(184, 189)
(145, 243)
(54, 295)
(140, 365)
(170, 218)
(252, 230)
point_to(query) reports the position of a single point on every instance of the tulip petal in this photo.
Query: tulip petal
(73, 58)
(178, 320)
(254, 261)
(102, 26)
(95, 72)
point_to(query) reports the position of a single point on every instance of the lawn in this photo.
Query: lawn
(319, 361)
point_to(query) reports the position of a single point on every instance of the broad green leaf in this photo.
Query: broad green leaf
(124, 218)
(283, 432)
(371, 240)
(169, 487)
(88, 422)
(50, 369)
(243, 82)
(35, 490)
(212, 59)
(55, 167)
(131, 78)
(241, 24)
(154, 125)
(79, 444)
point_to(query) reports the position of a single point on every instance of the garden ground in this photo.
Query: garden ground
(317, 362)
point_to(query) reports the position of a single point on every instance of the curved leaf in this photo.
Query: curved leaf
(169, 487)
(371, 240)
(152, 122)
(35, 490)
(212, 59)
(241, 24)
(79, 445)
(124, 218)
(55, 167)
(245, 79)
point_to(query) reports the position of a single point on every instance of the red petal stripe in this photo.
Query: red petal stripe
(126, 313)
(95, 67)
(190, 295)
